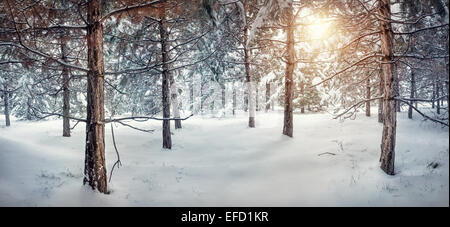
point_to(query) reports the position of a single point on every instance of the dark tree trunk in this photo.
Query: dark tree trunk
(246, 100)
(390, 116)
(433, 95)
(448, 107)
(167, 138)
(289, 80)
(415, 95)
(368, 97)
(95, 166)
(267, 96)
(66, 94)
(222, 87)
(438, 103)
(28, 109)
(6, 108)
(411, 94)
(446, 80)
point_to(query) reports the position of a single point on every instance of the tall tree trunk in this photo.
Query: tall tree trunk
(212, 101)
(433, 95)
(257, 96)
(222, 87)
(95, 166)
(415, 95)
(174, 101)
(167, 138)
(438, 102)
(250, 99)
(368, 97)
(289, 78)
(234, 99)
(267, 96)
(6, 108)
(246, 100)
(66, 93)
(448, 105)
(28, 109)
(390, 116)
(446, 80)
(446, 86)
(411, 96)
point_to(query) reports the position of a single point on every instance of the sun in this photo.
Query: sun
(319, 29)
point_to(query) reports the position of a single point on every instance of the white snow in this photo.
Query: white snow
(222, 162)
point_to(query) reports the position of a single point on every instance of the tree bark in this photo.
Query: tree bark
(289, 80)
(222, 87)
(95, 167)
(251, 103)
(368, 97)
(167, 138)
(66, 93)
(446, 81)
(411, 95)
(390, 116)
(438, 103)
(380, 101)
(250, 98)
(28, 116)
(433, 95)
(246, 100)
(448, 106)
(6, 108)
(174, 101)
(257, 96)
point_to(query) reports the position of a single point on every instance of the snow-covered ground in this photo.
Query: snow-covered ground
(222, 162)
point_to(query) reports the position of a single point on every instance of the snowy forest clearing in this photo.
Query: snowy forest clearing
(222, 162)
(234, 92)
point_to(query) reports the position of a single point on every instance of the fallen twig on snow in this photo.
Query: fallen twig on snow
(326, 153)
(118, 163)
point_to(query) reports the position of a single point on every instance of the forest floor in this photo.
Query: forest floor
(222, 162)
